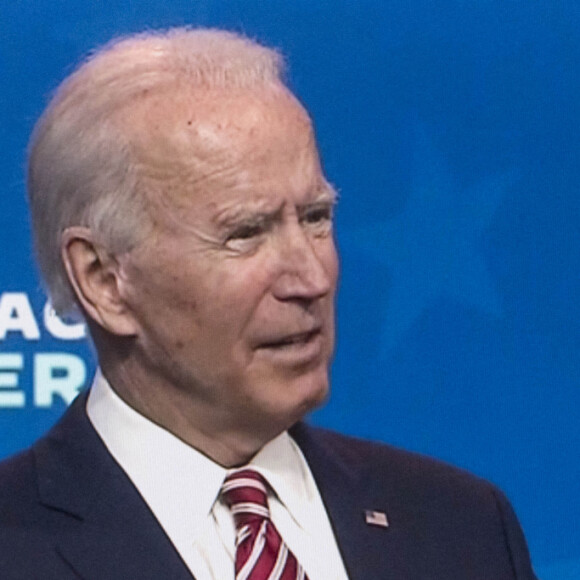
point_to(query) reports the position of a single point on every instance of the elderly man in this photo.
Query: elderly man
(179, 204)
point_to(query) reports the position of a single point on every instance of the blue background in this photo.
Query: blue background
(452, 131)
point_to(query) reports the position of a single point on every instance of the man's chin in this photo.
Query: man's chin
(315, 395)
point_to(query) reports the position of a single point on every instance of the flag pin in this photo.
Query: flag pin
(374, 518)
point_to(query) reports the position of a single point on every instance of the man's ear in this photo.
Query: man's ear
(94, 276)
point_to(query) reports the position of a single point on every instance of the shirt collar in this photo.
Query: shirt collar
(164, 468)
(282, 464)
(173, 478)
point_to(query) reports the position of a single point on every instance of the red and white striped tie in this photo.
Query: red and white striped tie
(261, 554)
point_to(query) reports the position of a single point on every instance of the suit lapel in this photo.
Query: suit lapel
(104, 528)
(342, 476)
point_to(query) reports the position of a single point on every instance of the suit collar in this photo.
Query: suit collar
(104, 528)
(70, 464)
(343, 474)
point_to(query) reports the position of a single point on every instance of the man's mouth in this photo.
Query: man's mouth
(299, 339)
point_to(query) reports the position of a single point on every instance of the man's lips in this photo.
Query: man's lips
(287, 340)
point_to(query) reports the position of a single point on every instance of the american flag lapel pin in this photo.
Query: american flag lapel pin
(375, 518)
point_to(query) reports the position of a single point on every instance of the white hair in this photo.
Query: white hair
(81, 169)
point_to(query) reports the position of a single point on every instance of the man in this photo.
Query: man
(178, 203)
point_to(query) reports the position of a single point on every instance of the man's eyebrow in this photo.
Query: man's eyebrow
(256, 213)
(236, 215)
(326, 193)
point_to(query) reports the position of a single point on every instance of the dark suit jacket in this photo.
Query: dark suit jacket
(68, 511)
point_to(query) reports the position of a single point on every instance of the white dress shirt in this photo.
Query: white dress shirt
(181, 486)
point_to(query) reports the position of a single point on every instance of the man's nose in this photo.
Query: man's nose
(307, 268)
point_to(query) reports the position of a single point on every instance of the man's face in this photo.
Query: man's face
(233, 293)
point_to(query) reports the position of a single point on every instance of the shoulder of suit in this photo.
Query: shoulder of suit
(19, 474)
(383, 461)
(17, 482)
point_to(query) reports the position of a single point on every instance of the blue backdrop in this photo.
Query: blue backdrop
(452, 131)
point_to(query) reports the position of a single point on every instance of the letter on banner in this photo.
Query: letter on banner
(60, 374)
(9, 380)
(16, 315)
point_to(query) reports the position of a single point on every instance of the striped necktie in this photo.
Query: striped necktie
(261, 554)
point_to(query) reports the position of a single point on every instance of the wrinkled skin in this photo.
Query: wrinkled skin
(229, 303)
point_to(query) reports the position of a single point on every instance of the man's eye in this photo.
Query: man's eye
(246, 232)
(318, 215)
(246, 238)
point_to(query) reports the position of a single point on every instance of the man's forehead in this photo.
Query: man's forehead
(193, 137)
(206, 141)
(207, 115)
